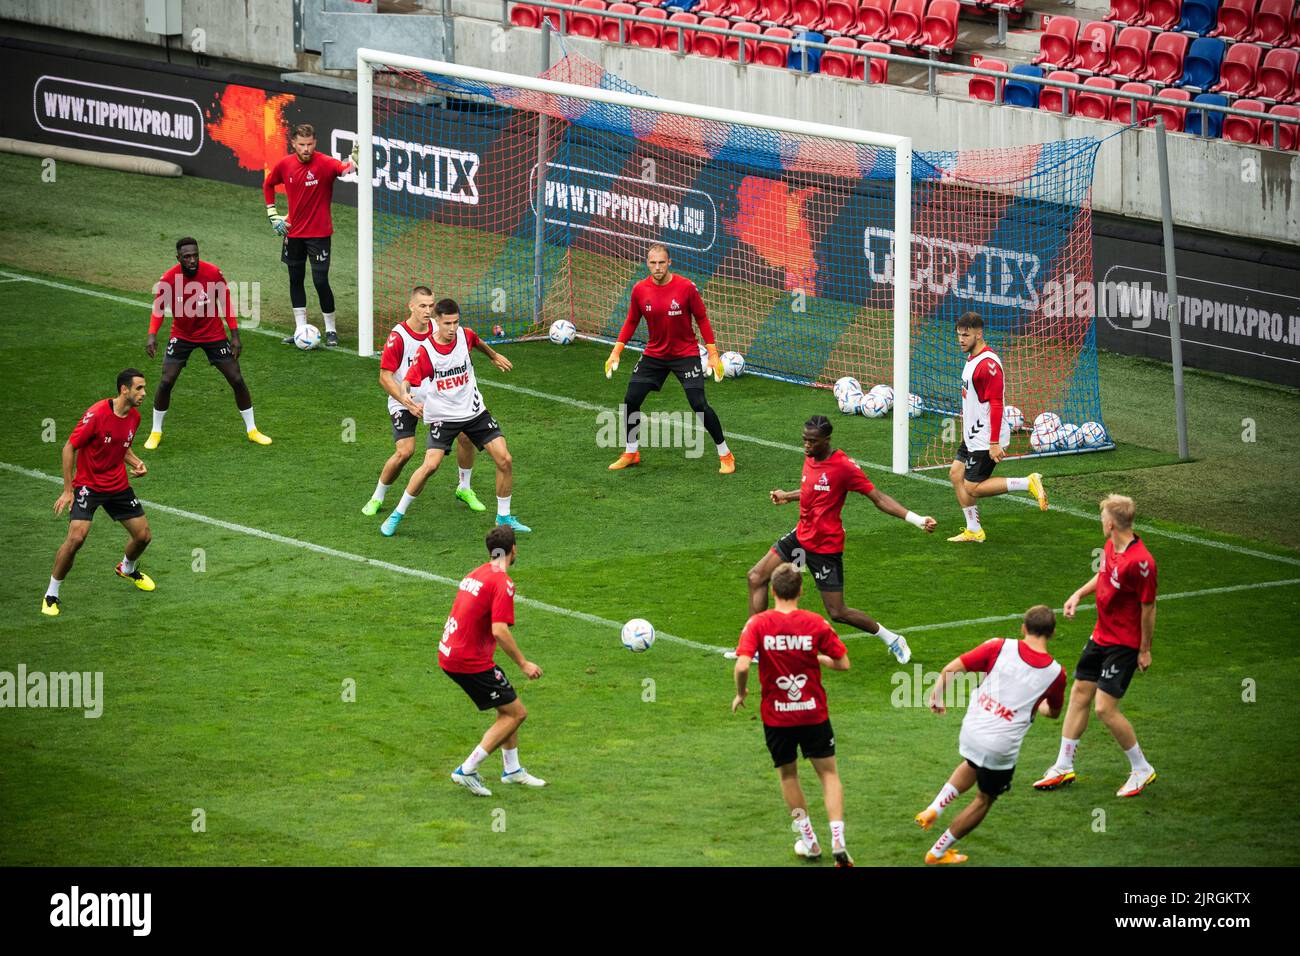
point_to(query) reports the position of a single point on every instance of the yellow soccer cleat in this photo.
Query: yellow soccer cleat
(50, 606)
(925, 819)
(1036, 489)
(949, 856)
(138, 577)
(255, 436)
(968, 535)
(626, 460)
(1136, 783)
(727, 464)
(1054, 779)
(152, 442)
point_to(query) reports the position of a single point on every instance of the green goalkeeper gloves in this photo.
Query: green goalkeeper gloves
(279, 223)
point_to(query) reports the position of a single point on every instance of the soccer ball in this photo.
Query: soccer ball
(561, 332)
(874, 405)
(638, 635)
(1092, 434)
(307, 337)
(1070, 437)
(886, 393)
(846, 388)
(1041, 439)
(704, 362)
(1049, 422)
(1014, 417)
(913, 406)
(733, 364)
(850, 405)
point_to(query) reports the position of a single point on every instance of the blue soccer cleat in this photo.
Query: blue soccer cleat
(389, 527)
(513, 522)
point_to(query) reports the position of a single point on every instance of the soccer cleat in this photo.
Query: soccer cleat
(522, 776)
(726, 464)
(513, 522)
(257, 437)
(841, 857)
(140, 579)
(389, 527)
(626, 460)
(968, 535)
(471, 782)
(467, 495)
(925, 819)
(949, 856)
(287, 340)
(331, 340)
(152, 441)
(1136, 783)
(811, 854)
(1054, 779)
(371, 507)
(50, 606)
(898, 647)
(1038, 491)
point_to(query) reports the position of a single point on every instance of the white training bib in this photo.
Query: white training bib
(976, 427)
(451, 393)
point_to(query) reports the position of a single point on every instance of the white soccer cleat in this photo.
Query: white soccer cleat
(471, 782)
(1136, 783)
(522, 776)
(801, 849)
(902, 653)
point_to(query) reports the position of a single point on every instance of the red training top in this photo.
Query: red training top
(788, 671)
(101, 439)
(486, 596)
(197, 304)
(668, 310)
(822, 490)
(310, 188)
(1125, 581)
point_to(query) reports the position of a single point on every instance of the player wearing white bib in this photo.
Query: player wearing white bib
(1020, 680)
(446, 396)
(984, 431)
(395, 361)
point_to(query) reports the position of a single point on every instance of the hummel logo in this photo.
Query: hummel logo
(793, 686)
(1111, 672)
(1144, 568)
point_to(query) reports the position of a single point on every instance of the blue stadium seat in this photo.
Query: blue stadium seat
(1215, 124)
(807, 60)
(1201, 67)
(1199, 16)
(1020, 93)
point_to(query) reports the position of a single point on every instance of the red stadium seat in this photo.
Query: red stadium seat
(1175, 116)
(808, 13)
(587, 24)
(1165, 61)
(873, 18)
(710, 44)
(1162, 14)
(939, 26)
(1288, 136)
(648, 34)
(1126, 11)
(905, 21)
(1243, 129)
(525, 15)
(1236, 19)
(1272, 22)
(1237, 73)
(1056, 44)
(842, 16)
(1123, 111)
(775, 54)
(879, 68)
(1052, 97)
(1092, 50)
(714, 8)
(752, 10)
(1129, 56)
(609, 30)
(672, 33)
(834, 63)
(731, 49)
(1277, 74)
(779, 12)
(986, 88)
(1095, 105)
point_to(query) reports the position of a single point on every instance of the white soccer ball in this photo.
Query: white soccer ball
(704, 362)
(874, 406)
(851, 404)
(562, 332)
(307, 337)
(1048, 421)
(733, 364)
(886, 393)
(1070, 437)
(914, 406)
(1093, 435)
(846, 386)
(638, 635)
(1043, 440)
(1014, 417)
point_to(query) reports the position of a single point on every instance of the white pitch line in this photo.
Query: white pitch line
(1091, 516)
(362, 559)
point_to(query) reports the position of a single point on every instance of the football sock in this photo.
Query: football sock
(1065, 759)
(806, 831)
(53, 589)
(837, 835)
(464, 478)
(299, 317)
(723, 450)
(631, 447)
(404, 503)
(942, 844)
(1136, 760)
(473, 760)
(972, 517)
(128, 566)
(503, 505)
(381, 489)
(945, 796)
(886, 636)
(158, 419)
(1017, 484)
(247, 415)
(329, 322)
(511, 757)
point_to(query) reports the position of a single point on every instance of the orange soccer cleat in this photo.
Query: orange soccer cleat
(925, 819)
(626, 460)
(949, 856)
(726, 464)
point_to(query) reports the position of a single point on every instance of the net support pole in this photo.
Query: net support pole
(539, 229)
(365, 207)
(902, 304)
(1171, 285)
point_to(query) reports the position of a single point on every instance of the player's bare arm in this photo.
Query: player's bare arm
(235, 343)
(151, 344)
(1072, 602)
(1148, 633)
(833, 663)
(997, 452)
(954, 666)
(891, 507)
(1047, 710)
(138, 469)
(741, 674)
(69, 463)
(507, 643)
(401, 391)
(784, 497)
(499, 360)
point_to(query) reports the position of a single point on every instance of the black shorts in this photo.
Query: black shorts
(178, 351)
(306, 247)
(827, 569)
(120, 505)
(815, 740)
(979, 465)
(487, 689)
(1109, 666)
(653, 372)
(480, 431)
(992, 783)
(404, 424)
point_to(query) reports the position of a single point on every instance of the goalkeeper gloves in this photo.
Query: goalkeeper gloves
(611, 363)
(715, 363)
(278, 222)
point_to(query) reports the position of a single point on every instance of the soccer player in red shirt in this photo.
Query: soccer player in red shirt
(1125, 586)
(308, 179)
(668, 302)
(480, 619)
(197, 295)
(100, 444)
(818, 540)
(795, 645)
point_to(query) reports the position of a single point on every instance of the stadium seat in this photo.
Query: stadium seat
(873, 19)
(609, 30)
(1237, 73)
(905, 21)
(1018, 92)
(527, 15)
(986, 88)
(1095, 104)
(1053, 97)
(587, 24)
(1294, 39)
(710, 44)
(713, 8)
(648, 34)
(1056, 44)
(1272, 22)
(1128, 58)
(842, 16)
(731, 49)
(1199, 16)
(1092, 51)
(939, 26)
(879, 68)
(808, 13)
(681, 32)
(1132, 111)
(1201, 67)
(1215, 124)
(1126, 11)
(807, 59)
(835, 63)
(1288, 135)
(1277, 75)
(1162, 14)
(1165, 61)
(1174, 116)
(1243, 129)
(752, 10)
(1236, 19)
(778, 12)
(775, 54)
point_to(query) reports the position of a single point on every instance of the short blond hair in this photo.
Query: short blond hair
(787, 582)
(657, 245)
(1121, 510)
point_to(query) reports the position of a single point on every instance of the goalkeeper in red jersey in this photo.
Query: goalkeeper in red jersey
(669, 303)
